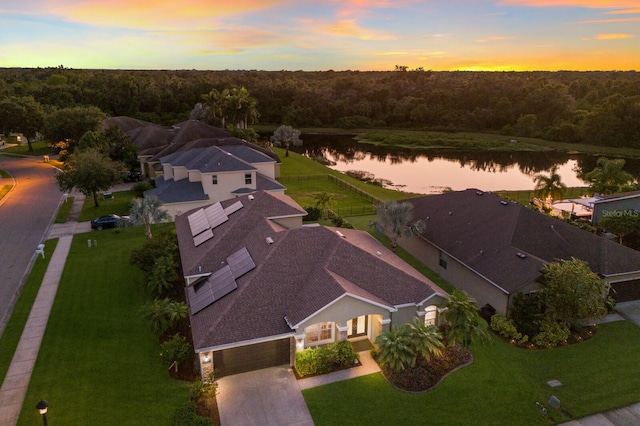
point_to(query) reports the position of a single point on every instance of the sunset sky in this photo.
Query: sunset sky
(491, 35)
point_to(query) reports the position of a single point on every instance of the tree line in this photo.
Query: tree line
(597, 108)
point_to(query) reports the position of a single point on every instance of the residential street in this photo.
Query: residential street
(25, 215)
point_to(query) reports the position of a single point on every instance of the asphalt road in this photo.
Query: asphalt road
(25, 216)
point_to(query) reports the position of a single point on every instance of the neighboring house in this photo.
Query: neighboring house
(200, 176)
(622, 204)
(195, 164)
(492, 248)
(260, 285)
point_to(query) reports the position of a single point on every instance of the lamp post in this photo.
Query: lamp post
(42, 408)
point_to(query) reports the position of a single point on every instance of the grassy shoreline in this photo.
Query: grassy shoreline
(463, 141)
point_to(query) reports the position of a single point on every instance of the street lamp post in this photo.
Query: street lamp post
(42, 408)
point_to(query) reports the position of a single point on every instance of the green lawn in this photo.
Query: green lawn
(39, 148)
(64, 210)
(501, 387)
(13, 330)
(119, 205)
(4, 174)
(99, 363)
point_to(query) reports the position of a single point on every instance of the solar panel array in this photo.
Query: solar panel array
(203, 221)
(222, 282)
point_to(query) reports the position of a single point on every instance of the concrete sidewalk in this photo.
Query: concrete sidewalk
(16, 382)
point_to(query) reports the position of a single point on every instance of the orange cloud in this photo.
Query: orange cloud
(613, 36)
(591, 4)
(148, 14)
(349, 28)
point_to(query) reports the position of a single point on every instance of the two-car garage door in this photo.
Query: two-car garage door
(252, 357)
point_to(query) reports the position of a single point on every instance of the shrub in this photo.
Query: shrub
(186, 416)
(176, 349)
(526, 312)
(340, 222)
(313, 214)
(140, 187)
(551, 334)
(204, 389)
(507, 329)
(322, 360)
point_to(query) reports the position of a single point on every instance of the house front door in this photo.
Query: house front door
(358, 326)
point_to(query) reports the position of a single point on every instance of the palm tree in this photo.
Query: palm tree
(164, 314)
(146, 211)
(464, 324)
(425, 339)
(324, 200)
(608, 177)
(395, 349)
(394, 220)
(287, 136)
(215, 102)
(550, 186)
(242, 108)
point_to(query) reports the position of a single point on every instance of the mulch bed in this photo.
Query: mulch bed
(427, 374)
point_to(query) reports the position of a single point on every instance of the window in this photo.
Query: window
(319, 333)
(247, 178)
(431, 315)
(443, 259)
(214, 179)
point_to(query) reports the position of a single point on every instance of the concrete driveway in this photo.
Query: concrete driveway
(264, 397)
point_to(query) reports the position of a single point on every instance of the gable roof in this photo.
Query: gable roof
(486, 233)
(298, 272)
(208, 160)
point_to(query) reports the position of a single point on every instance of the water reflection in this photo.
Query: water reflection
(428, 171)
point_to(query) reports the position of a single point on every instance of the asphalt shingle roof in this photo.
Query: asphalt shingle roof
(297, 275)
(486, 232)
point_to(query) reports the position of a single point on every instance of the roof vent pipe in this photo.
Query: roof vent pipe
(269, 240)
(250, 197)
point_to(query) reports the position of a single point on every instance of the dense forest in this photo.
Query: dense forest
(597, 108)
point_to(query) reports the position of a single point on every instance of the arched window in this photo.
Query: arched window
(431, 315)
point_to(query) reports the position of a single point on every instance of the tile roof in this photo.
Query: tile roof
(486, 233)
(208, 160)
(302, 271)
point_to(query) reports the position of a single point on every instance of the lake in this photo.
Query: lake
(429, 171)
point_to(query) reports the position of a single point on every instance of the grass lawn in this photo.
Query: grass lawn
(64, 210)
(501, 387)
(39, 148)
(13, 330)
(4, 174)
(99, 363)
(119, 205)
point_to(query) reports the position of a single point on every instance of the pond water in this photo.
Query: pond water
(428, 171)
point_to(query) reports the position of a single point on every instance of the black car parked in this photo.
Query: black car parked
(110, 221)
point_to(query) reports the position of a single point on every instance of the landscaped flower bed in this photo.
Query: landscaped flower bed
(427, 374)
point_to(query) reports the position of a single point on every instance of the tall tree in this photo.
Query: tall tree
(241, 108)
(622, 225)
(286, 136)
(395, 221)
(214, 102)
(464, 323)
(23, 115)
(609, 176)
(90, 172)
(550, 186)
(146, 211)
(64, 127)
(572, 292)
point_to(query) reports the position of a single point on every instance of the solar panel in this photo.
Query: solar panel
(217, 285)
(222, 282)
(198, 222)
(215, 215)
(200, 296)
(240, 262)
(233, 208)
(202, 237)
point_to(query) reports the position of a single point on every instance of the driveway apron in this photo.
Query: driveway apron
(264, 397)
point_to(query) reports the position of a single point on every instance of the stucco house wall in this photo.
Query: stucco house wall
(464, 279)
(342, 311)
